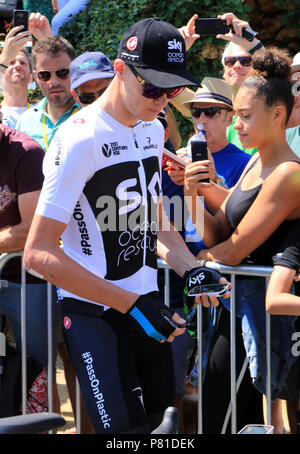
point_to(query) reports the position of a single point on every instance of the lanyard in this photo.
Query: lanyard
(44, 128)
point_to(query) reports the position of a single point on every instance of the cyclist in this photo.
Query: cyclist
(101, 193)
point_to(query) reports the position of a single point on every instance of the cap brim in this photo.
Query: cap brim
(167, 79)
(91, 76)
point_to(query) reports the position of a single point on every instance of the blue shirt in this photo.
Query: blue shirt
(37, 123)
(293, 139)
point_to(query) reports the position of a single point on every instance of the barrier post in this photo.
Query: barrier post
(268, 361)
(23, 340)
(233, 356)
(200, 367)
(50, 347)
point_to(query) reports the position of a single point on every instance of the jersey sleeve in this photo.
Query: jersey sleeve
(289, 251)
(69, 163)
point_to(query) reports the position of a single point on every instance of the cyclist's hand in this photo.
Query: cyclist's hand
(202, 276)
(156, 319)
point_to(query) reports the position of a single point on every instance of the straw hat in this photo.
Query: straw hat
(295, 66)
(213, 90)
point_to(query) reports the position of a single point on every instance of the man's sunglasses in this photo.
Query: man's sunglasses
(88, 98)
(244, 61)
(209, 112)
(152, 92)
(45, 76)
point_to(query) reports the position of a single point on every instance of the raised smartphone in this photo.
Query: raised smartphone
(20, 17)
(211, 26)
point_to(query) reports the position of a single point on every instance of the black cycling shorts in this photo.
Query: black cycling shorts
(125, 377)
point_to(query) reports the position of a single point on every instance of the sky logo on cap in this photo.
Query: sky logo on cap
(175, 45)
(132, 43)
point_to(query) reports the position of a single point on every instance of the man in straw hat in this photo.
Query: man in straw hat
(211, 106)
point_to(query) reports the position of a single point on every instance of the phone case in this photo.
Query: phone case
(20, 17)
(211, 26)
(171, 157)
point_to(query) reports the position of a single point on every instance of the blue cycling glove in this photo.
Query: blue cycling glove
(153, 317)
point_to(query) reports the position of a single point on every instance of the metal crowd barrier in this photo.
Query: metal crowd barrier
(224, 269)
(4, 259)
(233, 271)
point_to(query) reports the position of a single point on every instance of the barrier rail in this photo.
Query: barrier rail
(224, 269)
(233, 271)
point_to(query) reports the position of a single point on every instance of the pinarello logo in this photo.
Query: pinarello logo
(67, 322)
(132, 43)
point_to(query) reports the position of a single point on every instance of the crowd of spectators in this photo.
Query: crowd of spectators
(250, 214)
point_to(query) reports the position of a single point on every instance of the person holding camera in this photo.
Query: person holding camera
(15, 68)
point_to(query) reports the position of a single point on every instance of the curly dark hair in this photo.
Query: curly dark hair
(271, 77)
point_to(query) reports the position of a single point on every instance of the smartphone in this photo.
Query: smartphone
(211, 26)
(20, 17)
(199, 153)
(255, 429)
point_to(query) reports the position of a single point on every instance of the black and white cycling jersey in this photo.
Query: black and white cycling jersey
(103, 180)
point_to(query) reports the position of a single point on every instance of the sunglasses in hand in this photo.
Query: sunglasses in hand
(210, 289)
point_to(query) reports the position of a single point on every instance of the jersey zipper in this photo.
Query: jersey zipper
(143, 182)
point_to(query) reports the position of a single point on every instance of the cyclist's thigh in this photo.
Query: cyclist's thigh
(156, 373)
(99, 356)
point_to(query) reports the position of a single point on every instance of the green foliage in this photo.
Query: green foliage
(101, 26)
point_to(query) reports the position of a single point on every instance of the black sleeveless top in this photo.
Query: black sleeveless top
(237, 206)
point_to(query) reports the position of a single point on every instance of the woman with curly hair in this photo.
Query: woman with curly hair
(245, 225)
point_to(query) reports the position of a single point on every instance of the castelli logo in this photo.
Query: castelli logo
(132, 43)
(67, 322)
(79, 120)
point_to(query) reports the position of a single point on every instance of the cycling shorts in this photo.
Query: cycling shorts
(126, 378)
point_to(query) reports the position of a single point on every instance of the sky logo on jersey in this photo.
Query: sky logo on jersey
(126, 214)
